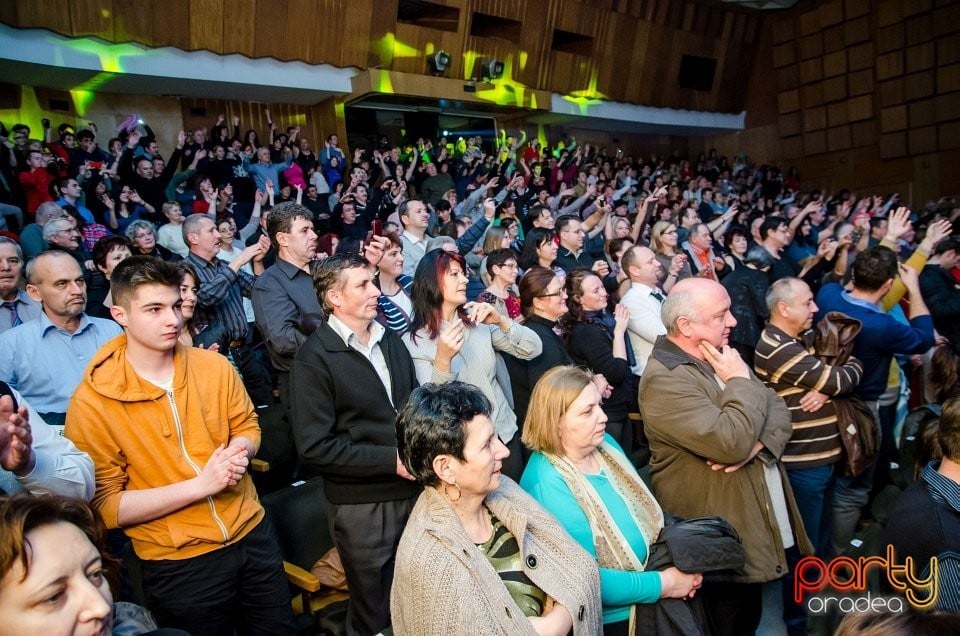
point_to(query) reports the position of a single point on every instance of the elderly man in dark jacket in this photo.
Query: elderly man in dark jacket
(716, 434)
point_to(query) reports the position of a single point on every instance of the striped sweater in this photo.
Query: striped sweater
(789, 367)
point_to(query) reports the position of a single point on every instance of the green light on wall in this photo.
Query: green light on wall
(383, 84)
(389, 47)
(587, 97)
(507, 91)
(110, 55)
(82, 100)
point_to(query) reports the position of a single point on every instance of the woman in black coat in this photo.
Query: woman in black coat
(598, 341)
(542, 303)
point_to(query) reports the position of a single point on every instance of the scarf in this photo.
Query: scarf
(612, 548)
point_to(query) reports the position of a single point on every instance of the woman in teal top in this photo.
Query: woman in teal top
(583, 477)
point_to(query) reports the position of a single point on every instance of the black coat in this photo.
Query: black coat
(748, 303)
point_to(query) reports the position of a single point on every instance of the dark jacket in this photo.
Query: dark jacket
(748, 303)
(524, 374)
(942, 295)
(591, 345)
(343, 419)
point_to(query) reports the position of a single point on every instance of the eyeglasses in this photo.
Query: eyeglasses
(559, 292)
(142, 234)
(670, 232)
(509, 265)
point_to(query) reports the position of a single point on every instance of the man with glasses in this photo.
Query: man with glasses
(63, 235)
(45, 358)
(571, 255)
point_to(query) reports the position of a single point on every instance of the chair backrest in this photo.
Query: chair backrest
(299, 516)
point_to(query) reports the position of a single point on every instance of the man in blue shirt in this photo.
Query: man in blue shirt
(880, 338)
(45, 358)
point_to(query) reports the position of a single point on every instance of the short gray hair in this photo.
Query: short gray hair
(782, 291)
(138, 225)
(5, 240)
(191, 225)
(46, 211)
(52, 227)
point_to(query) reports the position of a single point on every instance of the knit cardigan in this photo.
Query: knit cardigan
(443, 584)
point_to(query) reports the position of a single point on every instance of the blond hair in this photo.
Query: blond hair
(551, 398)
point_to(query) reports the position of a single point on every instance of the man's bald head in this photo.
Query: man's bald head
(697, 310)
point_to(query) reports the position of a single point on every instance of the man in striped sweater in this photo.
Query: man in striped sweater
(786, 361)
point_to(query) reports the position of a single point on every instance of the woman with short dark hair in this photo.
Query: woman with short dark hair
(478, 555)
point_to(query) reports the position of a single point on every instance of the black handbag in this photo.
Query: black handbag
(702, 544)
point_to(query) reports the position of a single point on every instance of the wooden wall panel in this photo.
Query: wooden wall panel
(634, 57)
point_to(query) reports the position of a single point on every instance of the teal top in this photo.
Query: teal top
(619, 589)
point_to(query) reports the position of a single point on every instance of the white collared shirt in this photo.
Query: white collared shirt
(645, 323)
(370, 351)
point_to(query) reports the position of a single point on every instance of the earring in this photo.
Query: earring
(445, 494)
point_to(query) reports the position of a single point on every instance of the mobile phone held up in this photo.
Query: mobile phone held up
(376, 229)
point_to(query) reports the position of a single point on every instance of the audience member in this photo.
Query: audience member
(598, 341)
(56, 548)
(712, 423)
(925, 522)
(452, 339)
(787, 361)
(45, 358)
(179, 487)
(219, 300)
(16, 306)
(580, 474)
(508, 567)
(34, 457)
(644, 302)
(284, 301)
(347, 382)
(880, 338)
(941, 291)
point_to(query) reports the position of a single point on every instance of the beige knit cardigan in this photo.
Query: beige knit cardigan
(443, 584)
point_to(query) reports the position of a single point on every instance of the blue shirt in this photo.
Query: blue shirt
(27, 309)
(46, 363)
(881, 337)
(83, 210)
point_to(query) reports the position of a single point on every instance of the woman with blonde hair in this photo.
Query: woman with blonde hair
(580, 474)
(665, 245)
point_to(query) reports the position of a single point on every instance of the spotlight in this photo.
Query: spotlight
(438, 62)
(491, 69)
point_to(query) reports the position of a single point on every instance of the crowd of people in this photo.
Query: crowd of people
(514, 365)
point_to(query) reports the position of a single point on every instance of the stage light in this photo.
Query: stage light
(491, 69)
(438, 62)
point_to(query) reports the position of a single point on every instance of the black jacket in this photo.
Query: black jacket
(748, 303)
(343, 420)
(942, 295)
(525, 373)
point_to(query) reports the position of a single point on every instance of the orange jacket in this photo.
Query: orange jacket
(140, 437)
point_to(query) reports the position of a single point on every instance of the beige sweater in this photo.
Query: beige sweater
(443, 584)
